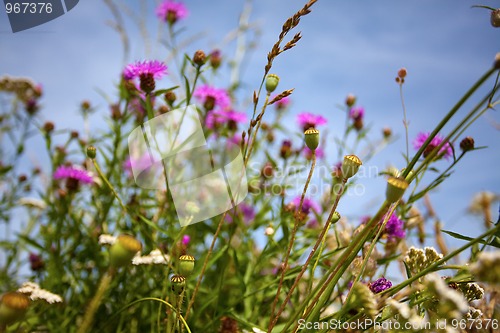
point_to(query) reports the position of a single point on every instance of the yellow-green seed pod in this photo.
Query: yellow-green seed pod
(123, 250)
(186, 265)
(350, 166)
(396, 187)
(178, 283)
(272, 81)
(13, 306)
(312, 138)
(91, 152)
(335, 218)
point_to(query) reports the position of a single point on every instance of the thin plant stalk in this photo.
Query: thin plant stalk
(294, 231)
(94, 304)
(311, 254)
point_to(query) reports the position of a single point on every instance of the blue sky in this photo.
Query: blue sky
(347, 47)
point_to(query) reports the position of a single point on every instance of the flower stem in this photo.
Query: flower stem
(311, 254)
(294, 231)
(95, 302)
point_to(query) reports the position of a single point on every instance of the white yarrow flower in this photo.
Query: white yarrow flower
(35, 292)
(155, 257)
(107, 239)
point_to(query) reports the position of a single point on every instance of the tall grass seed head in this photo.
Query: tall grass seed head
(123, 250)
(13, 307)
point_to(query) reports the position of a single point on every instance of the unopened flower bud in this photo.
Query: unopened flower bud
(396, 187)
(350, 100)
(350, 166)
(272, 81)
(467, 144)
(123, 250)
(496, 64)
(13, 306)
(387, 132)
(402, 73)
(199, 58)
(495, 18)
(215, 59)
(170, 97)
(48, 127)
(91, 152)
(312, 138)
(186, 265)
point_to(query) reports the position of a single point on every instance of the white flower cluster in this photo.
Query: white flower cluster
(155, 257)
(487, 267)
(451, 304)
(35, 292)
(107, 239)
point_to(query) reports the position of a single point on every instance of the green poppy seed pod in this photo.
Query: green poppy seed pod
(13, 306)
(312, 138)
(272, 81)
(123, 250)
(186, 265)
(495, 18)
(178, 283)
(396, 187)
(335, 218)
(350, 166)
(91, 152)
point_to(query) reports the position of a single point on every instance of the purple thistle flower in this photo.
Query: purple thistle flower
(357, 113)
(212, 97)
(307, 205)
(308, 120)
(171, 11)
(219, 117)
(380, 285)
(185, 240)
(320, 153)
(282, 103)
(154, 68)
(394, 228)
(73, 172)
(445, 151)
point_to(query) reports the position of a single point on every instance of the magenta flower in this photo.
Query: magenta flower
(246, 210)
(282, 103)
(308, 153)
(212, 97)
(379, 285)
(185, 240)
(219, 117)
(155, 68)
(308, 120)
(171, 11)
(73, 172)
(445, 151)
(357, 113)
(394, 228)
(307, 205)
